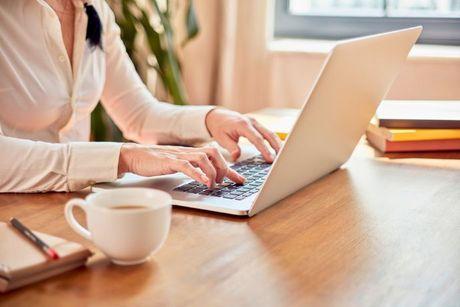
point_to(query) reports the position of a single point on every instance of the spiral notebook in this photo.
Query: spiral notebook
(21, 263)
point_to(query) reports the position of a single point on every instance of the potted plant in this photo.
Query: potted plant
(151, 42)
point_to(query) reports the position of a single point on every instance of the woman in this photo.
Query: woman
(54, 70)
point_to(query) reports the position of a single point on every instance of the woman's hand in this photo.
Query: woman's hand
(205, 164)
(226, 127)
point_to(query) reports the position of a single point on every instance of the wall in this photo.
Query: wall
(231, 63)
(293, 74)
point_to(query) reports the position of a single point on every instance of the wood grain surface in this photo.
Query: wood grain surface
(381, 231)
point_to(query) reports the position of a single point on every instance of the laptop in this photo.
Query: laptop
(354, 79)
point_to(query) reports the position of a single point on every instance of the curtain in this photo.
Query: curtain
(227, 64)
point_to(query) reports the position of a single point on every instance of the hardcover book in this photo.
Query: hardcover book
(419, 114)
(385, 145)
(392, 134)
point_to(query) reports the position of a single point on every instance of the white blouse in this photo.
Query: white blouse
(45, 105)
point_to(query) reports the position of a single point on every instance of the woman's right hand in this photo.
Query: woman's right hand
(204, 164)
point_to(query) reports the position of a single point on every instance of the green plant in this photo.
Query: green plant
(160, 38)
(153, 19)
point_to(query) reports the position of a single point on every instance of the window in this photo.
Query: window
(339, 19)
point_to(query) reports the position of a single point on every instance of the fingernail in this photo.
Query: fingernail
(271, 158)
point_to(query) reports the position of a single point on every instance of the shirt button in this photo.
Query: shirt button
(61, 58)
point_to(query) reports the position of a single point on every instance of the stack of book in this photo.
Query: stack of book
(403, 126)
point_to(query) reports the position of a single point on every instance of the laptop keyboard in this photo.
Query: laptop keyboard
(254, 169)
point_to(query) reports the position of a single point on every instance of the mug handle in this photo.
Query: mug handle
(82, 231)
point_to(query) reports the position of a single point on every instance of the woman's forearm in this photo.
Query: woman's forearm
(30, 166)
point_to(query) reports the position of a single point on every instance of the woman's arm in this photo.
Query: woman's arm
(133, 108)
(30, 166)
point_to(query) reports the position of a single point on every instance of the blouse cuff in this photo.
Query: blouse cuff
(194, 128)
(92, 162)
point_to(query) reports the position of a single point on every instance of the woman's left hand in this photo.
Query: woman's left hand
(226, 127)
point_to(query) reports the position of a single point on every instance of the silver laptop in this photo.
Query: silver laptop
(354, 79)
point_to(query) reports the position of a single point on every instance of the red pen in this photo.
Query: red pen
(50, 252)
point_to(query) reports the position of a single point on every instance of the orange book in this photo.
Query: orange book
(385, 145)
(414, 134)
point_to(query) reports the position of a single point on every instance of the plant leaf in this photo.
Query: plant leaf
(168, 9)
(128, 29)
(157, 69)
(191, 23)
(167, 60)
(153, 37)
(170, 65)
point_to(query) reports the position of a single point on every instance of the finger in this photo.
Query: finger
(222, 167)
(201, 160)
(249, 132)
(218, 162)
(187, 168)
(231, 146)
(272, 138)
(235, 176)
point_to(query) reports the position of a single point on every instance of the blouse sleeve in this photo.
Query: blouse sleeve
(32, 166)
(133, 108)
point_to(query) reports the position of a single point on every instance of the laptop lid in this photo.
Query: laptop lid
(353, 81)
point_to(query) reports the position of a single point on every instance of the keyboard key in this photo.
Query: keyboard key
(182, 188)
(255, 170)
(216, 193)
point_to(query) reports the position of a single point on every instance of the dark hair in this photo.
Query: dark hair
(94, 28)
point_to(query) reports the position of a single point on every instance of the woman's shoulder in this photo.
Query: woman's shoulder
(104, 10)
(106, 14)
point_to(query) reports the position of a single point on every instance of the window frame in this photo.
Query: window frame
(437, 30)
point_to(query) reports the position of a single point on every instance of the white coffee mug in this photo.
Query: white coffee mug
(126, 224)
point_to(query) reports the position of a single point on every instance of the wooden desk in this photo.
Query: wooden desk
(378, 232)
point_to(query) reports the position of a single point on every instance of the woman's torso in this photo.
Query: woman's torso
(44, 94)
